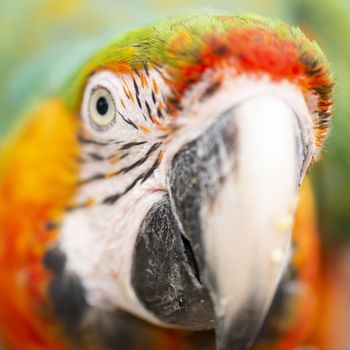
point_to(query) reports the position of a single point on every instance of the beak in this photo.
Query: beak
(233, 192)
(211, 253)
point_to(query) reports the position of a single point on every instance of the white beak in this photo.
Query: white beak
(248, 226)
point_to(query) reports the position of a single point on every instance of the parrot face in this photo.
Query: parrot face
(194, 138)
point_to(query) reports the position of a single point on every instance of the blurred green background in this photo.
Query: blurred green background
(42, 41)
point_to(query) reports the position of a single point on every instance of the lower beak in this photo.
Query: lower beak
(233, 192)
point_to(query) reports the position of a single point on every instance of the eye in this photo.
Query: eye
(102, 110)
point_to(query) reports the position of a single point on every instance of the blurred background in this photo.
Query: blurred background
(41, 41)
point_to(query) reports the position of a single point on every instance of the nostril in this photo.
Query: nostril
(191, 258)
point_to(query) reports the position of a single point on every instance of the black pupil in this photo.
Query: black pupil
(102, 106)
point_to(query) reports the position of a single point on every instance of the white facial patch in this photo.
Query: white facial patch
(124, 168)
(119, 183)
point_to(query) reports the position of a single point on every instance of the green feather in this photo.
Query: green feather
(151, 44)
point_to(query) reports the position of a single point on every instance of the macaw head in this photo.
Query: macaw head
(194, 137)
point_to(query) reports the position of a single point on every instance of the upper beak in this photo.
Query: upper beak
(233, 193)
(212, 251)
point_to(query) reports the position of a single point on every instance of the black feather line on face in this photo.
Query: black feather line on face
(96, 156)
(139, 162)
(138, 102)
(146, 68)
(84, 140)
(142, 177)
(131, 144)
(160, 114)
(152, 168)
(95, 177)
(136, 71)
(126, 169)
(137, 91)
(158, 70)
(149, 111)
(128, 121)
(153, 97)
(113, 198)
(123, 156)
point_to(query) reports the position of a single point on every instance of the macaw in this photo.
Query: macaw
(149, 204)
